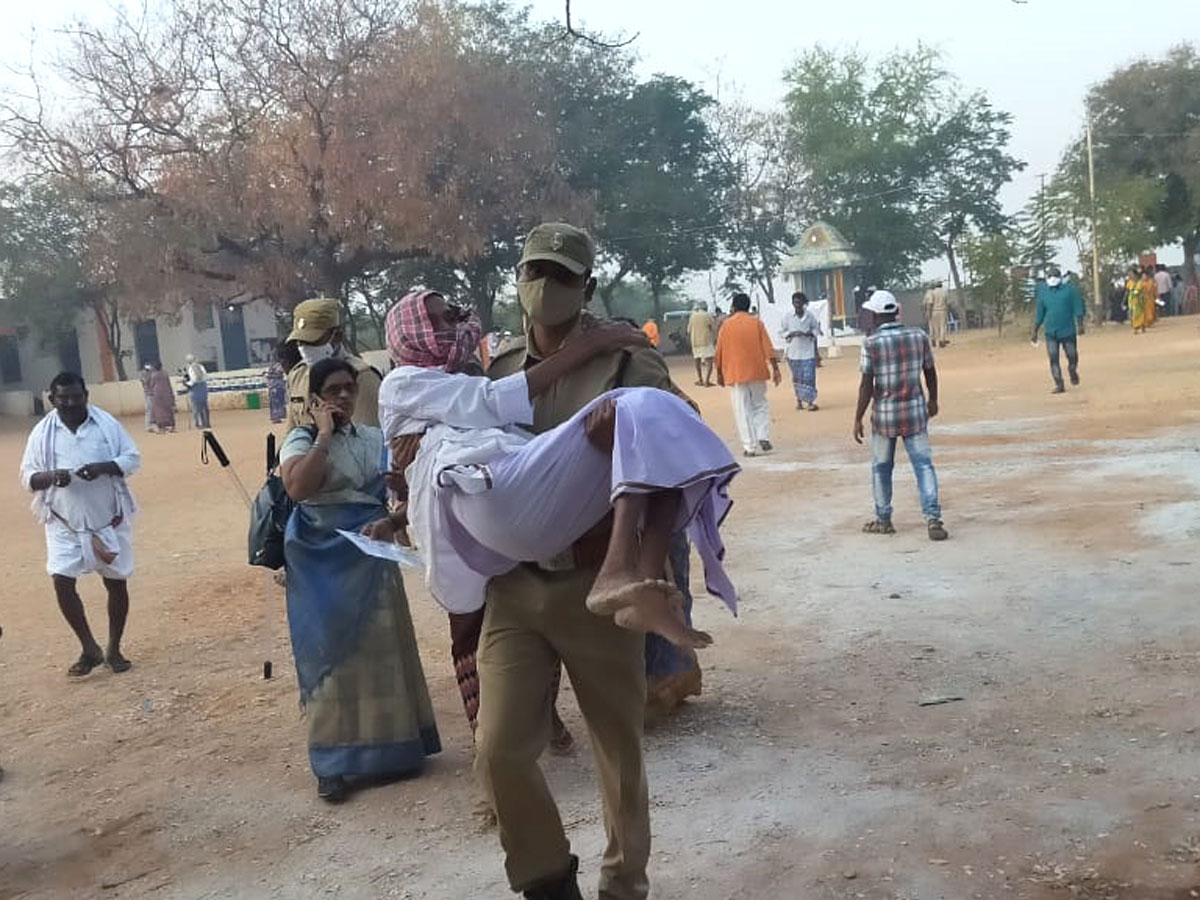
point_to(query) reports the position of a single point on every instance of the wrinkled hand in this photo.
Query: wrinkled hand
(601, 424)
(380, 530)
(859, 431)
(608, 337)
(60, 477)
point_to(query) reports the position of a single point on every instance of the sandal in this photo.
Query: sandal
(85, 664)
(118, 663)
(875, 526)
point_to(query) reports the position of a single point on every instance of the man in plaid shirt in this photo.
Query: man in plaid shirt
(893, 358)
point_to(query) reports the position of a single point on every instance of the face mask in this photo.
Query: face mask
(1053, 282)
(313, 355)
(549, 302)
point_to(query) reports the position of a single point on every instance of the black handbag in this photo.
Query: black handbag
(269, 516)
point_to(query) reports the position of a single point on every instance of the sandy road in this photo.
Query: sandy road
(1062, 610)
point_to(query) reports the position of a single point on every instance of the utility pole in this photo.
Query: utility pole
(1043, 239)
(1099, 308)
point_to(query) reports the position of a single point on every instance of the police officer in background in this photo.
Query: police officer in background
(317, 334)
(536, 616)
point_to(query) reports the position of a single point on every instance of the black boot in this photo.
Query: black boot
(561, 887)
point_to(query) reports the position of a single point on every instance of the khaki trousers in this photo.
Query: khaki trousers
(937, 328)
(535, 618)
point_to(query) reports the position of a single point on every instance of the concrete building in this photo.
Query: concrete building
(240, 335)
(825, 266)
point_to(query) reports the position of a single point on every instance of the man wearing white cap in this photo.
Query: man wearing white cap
(893, 359)
(197, 385)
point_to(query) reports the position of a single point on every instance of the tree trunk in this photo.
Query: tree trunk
(960, 305)
(656, 288)
(606, 292)
(111, 323)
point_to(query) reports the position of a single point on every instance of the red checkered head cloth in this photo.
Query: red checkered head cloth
(413, 341)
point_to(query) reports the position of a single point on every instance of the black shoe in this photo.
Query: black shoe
(562, 887)
(332, 788)
(1075, 378)
(1059, 389)
(766, 446)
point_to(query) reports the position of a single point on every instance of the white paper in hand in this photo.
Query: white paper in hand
(383, 549)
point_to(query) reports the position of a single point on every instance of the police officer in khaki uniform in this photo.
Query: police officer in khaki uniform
(536, 616)
(317, 333)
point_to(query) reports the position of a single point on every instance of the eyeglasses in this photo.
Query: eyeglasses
(349, 389)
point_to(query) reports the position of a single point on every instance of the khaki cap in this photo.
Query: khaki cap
(564, 244)
(312, 318)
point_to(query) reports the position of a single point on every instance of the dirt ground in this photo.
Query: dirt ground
(1061, 612)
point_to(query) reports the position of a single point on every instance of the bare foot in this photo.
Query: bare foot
(656, 606)
(611, 591)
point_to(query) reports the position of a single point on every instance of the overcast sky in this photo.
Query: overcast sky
(1035, 59)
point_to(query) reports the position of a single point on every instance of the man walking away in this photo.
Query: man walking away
(937, 315)
(197, 377)
(893, 358)
(1163, 285)
(317, 333)
(702, 335)
(145, 377)
(76, 462)
(1060, 309)
(743, 355)
(800, 330)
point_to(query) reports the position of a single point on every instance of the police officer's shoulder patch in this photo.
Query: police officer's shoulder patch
(508, 358)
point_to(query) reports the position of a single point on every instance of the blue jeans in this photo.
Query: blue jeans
(883, 454)
(200, 405)
(804, 379)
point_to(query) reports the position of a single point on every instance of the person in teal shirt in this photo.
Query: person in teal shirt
(1060, 309)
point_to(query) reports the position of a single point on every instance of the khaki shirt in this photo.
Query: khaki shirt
(568, 395)
(366, 409)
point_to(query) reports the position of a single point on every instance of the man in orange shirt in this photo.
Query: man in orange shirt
(651, 331)
(744, 355)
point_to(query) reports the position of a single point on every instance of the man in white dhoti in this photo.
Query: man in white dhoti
(76, 462)
(484, 496)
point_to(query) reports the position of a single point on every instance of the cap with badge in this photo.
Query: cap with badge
(313, 318)
(560, 243)
(882, 303)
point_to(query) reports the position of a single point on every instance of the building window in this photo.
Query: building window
(10, 359)
(202, 316)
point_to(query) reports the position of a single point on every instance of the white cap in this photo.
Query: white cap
(882, 303)
(189, 358)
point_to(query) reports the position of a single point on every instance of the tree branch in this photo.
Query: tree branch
(595, 42)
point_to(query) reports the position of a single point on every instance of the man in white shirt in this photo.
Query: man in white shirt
(1163, 284)
(197, 385)
(800, 330)
(76, 462)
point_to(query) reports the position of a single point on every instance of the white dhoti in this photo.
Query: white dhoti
(533, 502)
(73, 553)
(751, 414)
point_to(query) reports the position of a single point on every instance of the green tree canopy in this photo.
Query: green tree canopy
(1146, 121)
(894, 156)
